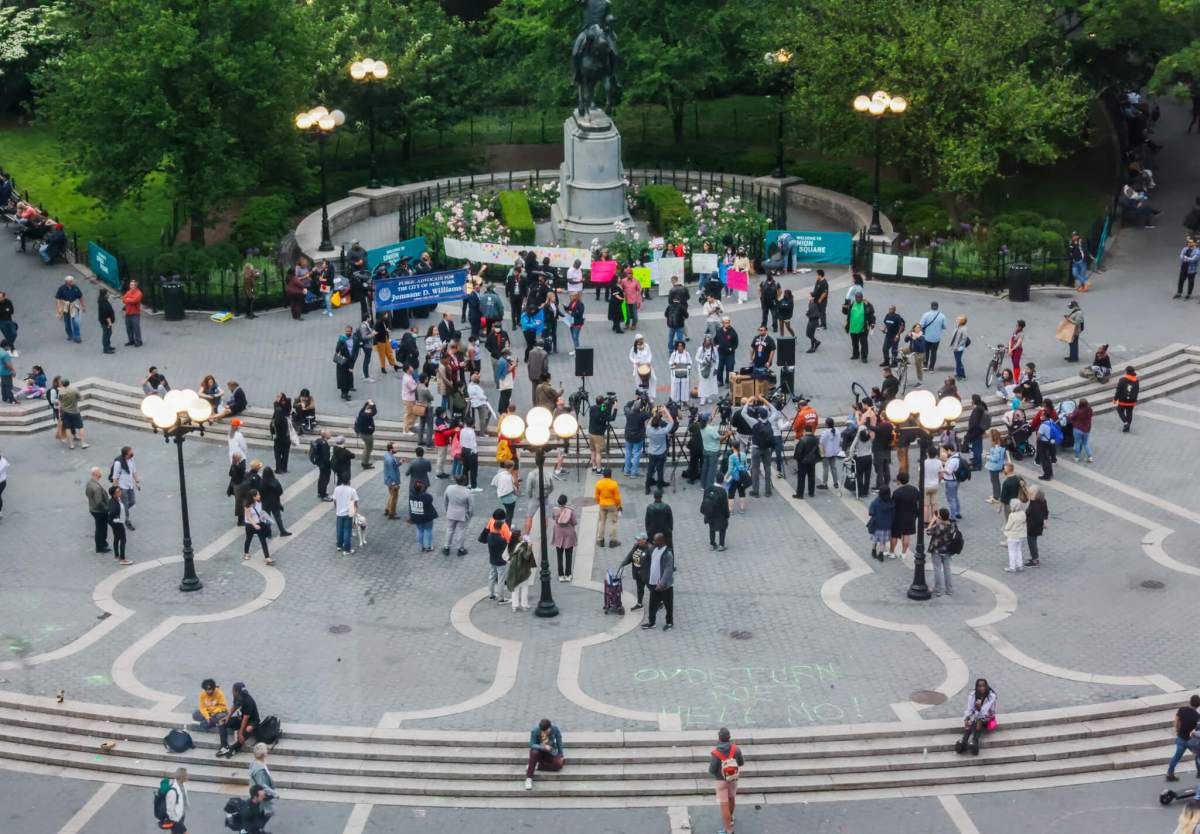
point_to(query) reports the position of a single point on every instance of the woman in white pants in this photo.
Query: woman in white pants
(519, 577)
(640, 357)
(1014, 533)
(680, 363)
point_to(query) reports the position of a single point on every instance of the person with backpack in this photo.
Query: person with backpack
(1126, 396)
(944, 536)
(422, 512)
(762, 438)
(1037, 513)
(262, 783)
(724, 766)
(954, 470)
(171, 802)
(807, 453)
(1049, 435)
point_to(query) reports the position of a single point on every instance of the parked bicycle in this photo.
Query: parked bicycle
(996, 366)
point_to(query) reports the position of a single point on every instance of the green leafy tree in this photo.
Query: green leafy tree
(204, 93)
(31, 31)
(989, 83)
(528, 44)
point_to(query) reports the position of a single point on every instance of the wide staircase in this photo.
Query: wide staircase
(1161, 372)
(1115, 740)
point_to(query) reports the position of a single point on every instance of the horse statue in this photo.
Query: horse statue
(594, 56)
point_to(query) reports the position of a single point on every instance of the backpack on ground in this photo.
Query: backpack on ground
(268, 730)
(313, 454)
(763, 435)
(160, 804)
(233, 813)
(955, 545)
(963, 472)
(730, 769)
(178, 741)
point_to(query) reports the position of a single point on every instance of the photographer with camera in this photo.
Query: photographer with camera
(657, 439)
(762, 438)
(599, 416)
(637, 414)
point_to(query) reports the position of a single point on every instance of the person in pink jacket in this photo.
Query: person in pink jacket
(633, 296)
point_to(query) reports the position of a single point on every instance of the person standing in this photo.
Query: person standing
(860, 451)
(177, 804)
(820, 294)
(320, 456)
(69, 304)
(108, 318)
(726, 342)
(959, 342)
(1016, 528)
(831, 456)
(565, 537)
(1079, 262)
(4, 466)
(391, 480)
(933, 324)
(257, 524)
(98, 500)
(1081, 425)
(893, 326)
(364, 427)
(1016, 346)
(118, 517)
(343, 360)
(8, 327)
(72, 420)
(724, 766)
(345, 502)
(250, 276)
(260, 777)
(1126, 397)
(906, 515)
(518, 578)
(710, 437)
(860, 321)
(1047, 444)
(881, 515)
(1037, 517)
(1189, 260)
(1186, 719)
(883, 437)
(1075, 316)
(660, 519)
(7, 372)
(281, 432)
(657, 438)
(608, 498)
(271, 491)
(680, 363)
(125, 475)
(497, 533)
(459, 505)
(807, 453)
(941, 533)
(950, 463)
(132, 300)
(662, 582)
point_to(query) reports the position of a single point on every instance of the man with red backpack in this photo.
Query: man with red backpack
(725, 767)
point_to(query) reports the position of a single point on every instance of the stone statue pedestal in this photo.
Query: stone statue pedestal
(591, 198)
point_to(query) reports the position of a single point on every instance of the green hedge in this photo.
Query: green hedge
(261, 223)
(665, 207)
(517, 216)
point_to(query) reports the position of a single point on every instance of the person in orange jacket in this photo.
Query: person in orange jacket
(608, 498)
(1126, 397)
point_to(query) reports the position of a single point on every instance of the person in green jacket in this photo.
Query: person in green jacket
(521, 563)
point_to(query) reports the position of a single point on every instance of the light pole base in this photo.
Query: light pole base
(374, 184)
(546, 608)
(326, 246)
(875, 229)
(919, 592)
(190, 583)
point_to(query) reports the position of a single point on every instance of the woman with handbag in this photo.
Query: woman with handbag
(680, 363)
(257, 524)
(519, 576)
(565, 536)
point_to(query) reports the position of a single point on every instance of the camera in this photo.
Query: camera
(725, 409)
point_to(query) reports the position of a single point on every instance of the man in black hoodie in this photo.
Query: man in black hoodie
(1126, 397)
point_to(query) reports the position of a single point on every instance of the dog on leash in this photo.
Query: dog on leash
(360, 524)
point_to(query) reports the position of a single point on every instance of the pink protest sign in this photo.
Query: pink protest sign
(603, 271)
(737, 280)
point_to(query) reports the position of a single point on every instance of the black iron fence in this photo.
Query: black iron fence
(73, 253)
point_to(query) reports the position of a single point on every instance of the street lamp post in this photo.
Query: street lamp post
(536, 429)
(778, 60)
(877, 107)
(177, 415)
(318, 123)
(931, 414)
(367, 71)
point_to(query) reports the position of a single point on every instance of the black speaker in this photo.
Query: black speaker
(787, 380)
(583, 361)
(785, 352)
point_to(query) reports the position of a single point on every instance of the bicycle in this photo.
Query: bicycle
(995, 368)
(900, 372)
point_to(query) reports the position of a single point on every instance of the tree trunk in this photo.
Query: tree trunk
(196, 223)
(406, 147)
(677, 122)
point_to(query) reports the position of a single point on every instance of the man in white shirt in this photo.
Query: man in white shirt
(177, 801)
(470, 456)
(345, 502)
(478, 402)
(506, 490)
(575, 277)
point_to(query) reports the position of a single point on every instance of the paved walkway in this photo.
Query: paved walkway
(791, 627)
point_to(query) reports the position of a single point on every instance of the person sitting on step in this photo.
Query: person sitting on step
(980, 716)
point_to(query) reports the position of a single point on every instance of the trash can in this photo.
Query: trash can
(173, 297)
(1019, 275)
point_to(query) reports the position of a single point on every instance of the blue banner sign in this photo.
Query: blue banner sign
(104, 264)
(813, 247)
(393, 252)
(419, 290)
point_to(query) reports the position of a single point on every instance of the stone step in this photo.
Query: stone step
(578, 781)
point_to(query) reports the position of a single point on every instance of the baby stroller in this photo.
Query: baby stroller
(1018, 440)
(612, 593)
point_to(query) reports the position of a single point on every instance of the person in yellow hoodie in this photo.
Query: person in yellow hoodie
(214, 710)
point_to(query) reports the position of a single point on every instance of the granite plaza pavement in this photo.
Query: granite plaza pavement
(792, 627)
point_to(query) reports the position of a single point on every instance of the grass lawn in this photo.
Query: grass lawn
(31, 155)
